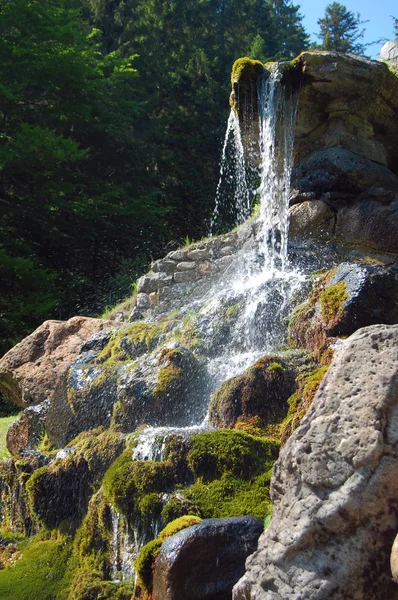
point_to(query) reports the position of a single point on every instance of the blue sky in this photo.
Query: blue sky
(376, 12)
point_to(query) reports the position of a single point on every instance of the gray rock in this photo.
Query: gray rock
(185, 276)
(164, 265)
(178, 255)
(339, 169)
(153, 282)
(227, 250)
(204, 561)
(389, 52)
(199, 254)
(335, 486)
(143, 301)
(186, 266)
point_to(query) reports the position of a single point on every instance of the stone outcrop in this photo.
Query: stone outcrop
(261, 391)
(162, 389)
(389, 53)
(343, 300)
(346, 153)
(204, 561)
(26, 432)
(29, 372)
(335, 486)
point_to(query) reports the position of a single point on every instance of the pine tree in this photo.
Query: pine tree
(340, 30)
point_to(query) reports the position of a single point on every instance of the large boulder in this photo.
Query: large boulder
(389, 53)
(204, 561)
(335, 486)
(261, 391)
(30, 371)
(343, 300)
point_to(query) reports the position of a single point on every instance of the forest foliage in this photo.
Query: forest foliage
(112, 114)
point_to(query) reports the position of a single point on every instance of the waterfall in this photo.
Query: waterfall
(277, 116)
(232, 175)
(259, 284)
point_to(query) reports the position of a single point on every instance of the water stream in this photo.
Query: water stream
(259, 284)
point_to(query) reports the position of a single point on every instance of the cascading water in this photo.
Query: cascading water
(260, 282)
(233, 174)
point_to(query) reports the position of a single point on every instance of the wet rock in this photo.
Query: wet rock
(261, 391)
(60, 492)
(29, 372)
(335, 486)
(164, 388)
(204, 561)
(312, 218)
(26, 431)
(339, 169)
(342, 301)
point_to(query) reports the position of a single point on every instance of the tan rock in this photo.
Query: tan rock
(30, 371)
(394, 560)
(335, 486)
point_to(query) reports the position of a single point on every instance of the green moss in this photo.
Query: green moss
(332, 301)
(232, 496)
(301, 400)
(135, 339)
(127, 482)
(144, 564)
(5, 422)
(40, 572)
(232, 312)
(178, 525)
(167, 379)
(245, 68)
(217, 453)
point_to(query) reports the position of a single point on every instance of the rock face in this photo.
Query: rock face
(342, 301)
(261, 391)
(165, 388)
(26, 431)
(389, 52)
(335, 486)
(29, 372)
(204, 561)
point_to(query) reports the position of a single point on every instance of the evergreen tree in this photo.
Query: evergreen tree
(395, 20)
(340, 30)
(71, 129)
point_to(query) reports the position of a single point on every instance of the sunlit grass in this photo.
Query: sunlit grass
(5, 422)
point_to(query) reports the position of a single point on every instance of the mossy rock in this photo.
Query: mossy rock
(146, 558)
(59, 492)
(261, 391)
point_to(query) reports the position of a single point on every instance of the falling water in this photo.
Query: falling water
(260, 282)
(277, 115)
(232, 174)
